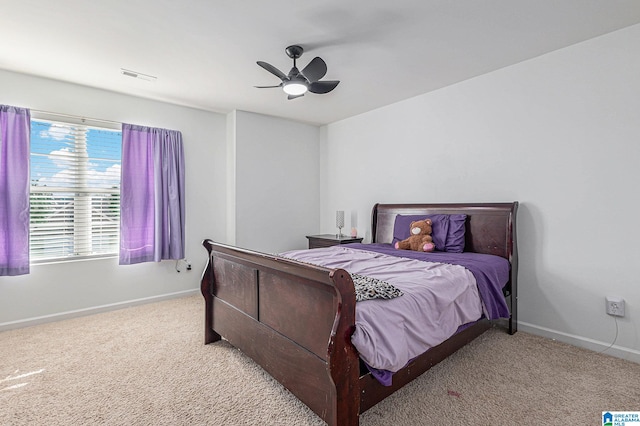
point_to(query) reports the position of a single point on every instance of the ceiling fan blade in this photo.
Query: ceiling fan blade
(315, 70)
(294, 96)
(273, 70)
(267, 87)
(321, 87)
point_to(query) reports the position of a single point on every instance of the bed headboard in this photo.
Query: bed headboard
(491, 227)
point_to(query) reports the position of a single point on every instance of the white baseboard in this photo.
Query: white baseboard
(582, 342)
(5, 326)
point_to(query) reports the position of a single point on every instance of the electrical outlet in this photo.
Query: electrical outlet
(615, 306)
(180, 262)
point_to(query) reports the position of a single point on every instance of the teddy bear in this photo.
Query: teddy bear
(420, 238)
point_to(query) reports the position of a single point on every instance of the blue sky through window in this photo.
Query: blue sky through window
(53, 161)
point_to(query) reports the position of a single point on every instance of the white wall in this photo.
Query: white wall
(276, 182)
(63, 288)
(560, 134)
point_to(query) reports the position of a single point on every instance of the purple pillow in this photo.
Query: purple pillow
(447, 230)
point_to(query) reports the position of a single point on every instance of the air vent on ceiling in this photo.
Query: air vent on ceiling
(136, 74)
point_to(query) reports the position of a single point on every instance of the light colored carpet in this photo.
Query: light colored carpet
(148, 365)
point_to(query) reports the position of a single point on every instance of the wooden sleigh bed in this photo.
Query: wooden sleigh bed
(296, 320)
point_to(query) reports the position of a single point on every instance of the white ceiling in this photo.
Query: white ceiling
(204, 52)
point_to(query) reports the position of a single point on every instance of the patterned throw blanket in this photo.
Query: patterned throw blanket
(373, 288)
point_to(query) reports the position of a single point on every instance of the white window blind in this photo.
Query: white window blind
(75, 190)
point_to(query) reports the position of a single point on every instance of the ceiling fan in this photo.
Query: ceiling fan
(297, 83)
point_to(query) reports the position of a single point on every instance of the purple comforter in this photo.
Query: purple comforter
(491, 272)
(439, 297)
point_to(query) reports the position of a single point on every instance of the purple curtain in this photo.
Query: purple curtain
(151, 195)
(15, 134)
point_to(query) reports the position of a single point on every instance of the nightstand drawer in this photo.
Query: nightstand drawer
(328, 240)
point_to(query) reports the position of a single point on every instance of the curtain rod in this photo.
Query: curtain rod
(78, 117)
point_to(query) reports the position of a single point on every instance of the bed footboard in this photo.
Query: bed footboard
(294, 320)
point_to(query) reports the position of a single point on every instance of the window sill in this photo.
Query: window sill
(73, 259)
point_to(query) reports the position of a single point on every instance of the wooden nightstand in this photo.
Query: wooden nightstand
(328, 240)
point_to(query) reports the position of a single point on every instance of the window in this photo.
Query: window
(75, 189)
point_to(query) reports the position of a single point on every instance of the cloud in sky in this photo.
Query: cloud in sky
(61, 157)
(56, 132)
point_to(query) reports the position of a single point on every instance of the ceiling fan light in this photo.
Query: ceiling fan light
(294, 88)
